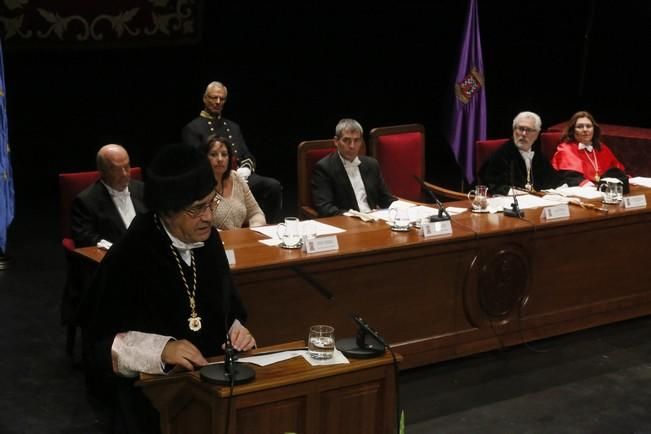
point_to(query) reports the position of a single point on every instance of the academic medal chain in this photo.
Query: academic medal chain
(595, 164)
(194, 321)
(529, 185)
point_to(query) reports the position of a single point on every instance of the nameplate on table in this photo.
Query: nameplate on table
(230, 255)
(436, 229)
(556, 212)
(637, 201)
(322, 244)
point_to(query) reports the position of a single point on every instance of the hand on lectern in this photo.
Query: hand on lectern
(183, 354)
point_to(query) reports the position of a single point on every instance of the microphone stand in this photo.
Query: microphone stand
(515, 210)
(366, 344)
(230, 372)
(443, 213)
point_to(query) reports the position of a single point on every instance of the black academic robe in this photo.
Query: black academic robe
(138, 287)
(94, 216)
(506, 167)
(332, 192)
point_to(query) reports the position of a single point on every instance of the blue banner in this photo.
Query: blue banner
(6, 175)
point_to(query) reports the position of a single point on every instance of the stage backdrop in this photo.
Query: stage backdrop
(99, 24)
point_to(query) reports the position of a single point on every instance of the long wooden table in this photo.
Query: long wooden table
(496, 281)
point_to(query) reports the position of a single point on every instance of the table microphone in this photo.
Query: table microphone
(366, 344)
(515, 210)
(443, 213)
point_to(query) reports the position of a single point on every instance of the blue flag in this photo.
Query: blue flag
(6, 175)
(469, 119)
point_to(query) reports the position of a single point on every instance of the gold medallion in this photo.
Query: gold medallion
(597, 177)
(194, 322)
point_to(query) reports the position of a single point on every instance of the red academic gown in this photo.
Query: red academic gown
(589, 164)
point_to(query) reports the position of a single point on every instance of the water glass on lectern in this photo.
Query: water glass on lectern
(321, 342)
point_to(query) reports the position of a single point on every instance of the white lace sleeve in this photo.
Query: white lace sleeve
(134, 352)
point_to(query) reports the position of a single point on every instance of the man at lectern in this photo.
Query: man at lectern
(163, 299)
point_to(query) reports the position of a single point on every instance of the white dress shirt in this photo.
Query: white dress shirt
(355, 177)
(123, 203)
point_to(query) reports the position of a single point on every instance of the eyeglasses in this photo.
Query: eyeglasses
(584, 126)
(525, 130)
(199, 209)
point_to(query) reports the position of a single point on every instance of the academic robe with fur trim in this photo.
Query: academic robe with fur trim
(506, 167)
(332, 192)
(579, 166)
(138, 287)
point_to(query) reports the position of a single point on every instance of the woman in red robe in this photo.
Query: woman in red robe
(581, 158)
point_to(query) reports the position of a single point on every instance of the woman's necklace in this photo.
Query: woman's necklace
(194, 321)
(595, 164)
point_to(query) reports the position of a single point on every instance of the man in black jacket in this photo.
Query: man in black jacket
(104, 210)
(267, 191)
(346, 180)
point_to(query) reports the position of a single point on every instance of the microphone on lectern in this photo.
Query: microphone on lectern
(443, 213)
(230, 372)
(367, 343)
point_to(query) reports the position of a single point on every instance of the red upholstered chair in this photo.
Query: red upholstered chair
(70, 185)
(549, 140)
(400, 150)
(309, 153)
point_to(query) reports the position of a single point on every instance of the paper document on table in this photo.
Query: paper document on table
(454, 210)
(400, 204)
(337, 358)
(588, 192)
(527, 201)
(320, 229)
(640, 180)
(268, 359)
(360, 215)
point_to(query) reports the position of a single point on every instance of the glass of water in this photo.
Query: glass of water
(321, 342)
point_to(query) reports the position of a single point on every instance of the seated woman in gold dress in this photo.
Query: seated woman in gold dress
(237, 207)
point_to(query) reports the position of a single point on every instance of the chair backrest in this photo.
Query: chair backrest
(549, 140)
(484, 149)
(400, 150)
(308, 154)
(70, 185)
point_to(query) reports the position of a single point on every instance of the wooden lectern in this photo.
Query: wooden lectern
(289, 396)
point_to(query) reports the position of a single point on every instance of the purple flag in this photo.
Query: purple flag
(469, 118)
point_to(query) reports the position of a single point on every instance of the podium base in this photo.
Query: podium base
(372, 348)
(216, 374)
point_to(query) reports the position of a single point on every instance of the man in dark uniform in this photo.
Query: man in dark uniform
(267, 191)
